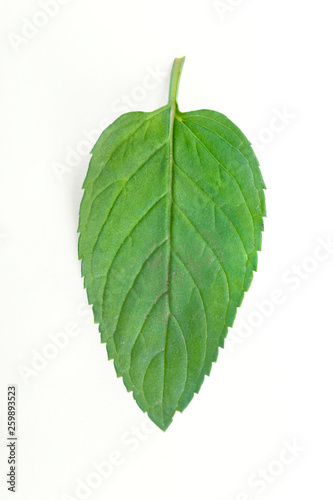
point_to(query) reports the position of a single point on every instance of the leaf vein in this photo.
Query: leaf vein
(134, 281)
(136, 224)
(214, 202)
(205, 313)
(121, 191)
(103, 165)
(212, 250)
(223, 166)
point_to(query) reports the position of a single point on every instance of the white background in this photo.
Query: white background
(60, 81)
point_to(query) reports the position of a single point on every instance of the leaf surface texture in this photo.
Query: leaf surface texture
(170, 226)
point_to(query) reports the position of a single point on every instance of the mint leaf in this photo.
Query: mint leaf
(170, 226)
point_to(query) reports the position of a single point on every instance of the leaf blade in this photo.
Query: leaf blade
(170, 227)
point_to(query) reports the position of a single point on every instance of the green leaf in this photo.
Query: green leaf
(170, 226)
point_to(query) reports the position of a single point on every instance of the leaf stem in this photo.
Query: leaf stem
(177, 67)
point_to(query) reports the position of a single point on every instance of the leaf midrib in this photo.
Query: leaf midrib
(171, 165)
